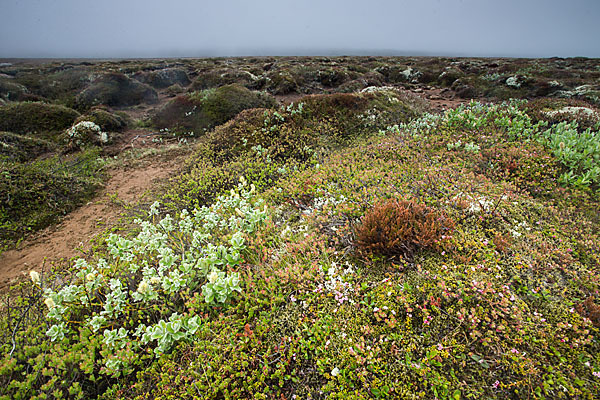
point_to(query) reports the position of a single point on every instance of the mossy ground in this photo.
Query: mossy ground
(37, 119)
(35, 193)
(498, 308)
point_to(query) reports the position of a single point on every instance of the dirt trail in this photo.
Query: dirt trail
(75, 232)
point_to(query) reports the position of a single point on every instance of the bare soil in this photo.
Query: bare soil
(74, 235)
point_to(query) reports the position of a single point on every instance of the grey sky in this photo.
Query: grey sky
(193, 28)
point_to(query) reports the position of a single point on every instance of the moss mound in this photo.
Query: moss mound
(564, 110)
(42, 119)
(164, 78)
(33, 195)
(60, 84)
(11, 91)
(198, 112)
(107, 121)
(114, 89)
(282, 83)
(22, 148)
(221, 77)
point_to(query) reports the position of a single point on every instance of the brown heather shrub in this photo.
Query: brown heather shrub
(501, 242)
(397, 228)
(589, 309)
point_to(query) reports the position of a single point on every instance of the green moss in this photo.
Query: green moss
(39, 119)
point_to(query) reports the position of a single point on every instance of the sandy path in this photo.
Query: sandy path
(75, 232)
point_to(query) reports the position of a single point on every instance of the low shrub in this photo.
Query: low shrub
(86, 133)
(148, 293)
(12, 91)
(397, 228)
(590, 310)
(578, 151)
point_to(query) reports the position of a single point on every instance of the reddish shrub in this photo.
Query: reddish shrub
(589, 309)
(397, 228)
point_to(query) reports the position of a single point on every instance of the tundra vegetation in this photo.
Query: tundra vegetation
(331, 235)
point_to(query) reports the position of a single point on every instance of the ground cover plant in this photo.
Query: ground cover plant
(340, 246)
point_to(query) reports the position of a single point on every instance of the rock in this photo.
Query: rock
(399, 74)
(463, 90)
(582, 90)
(449, 76)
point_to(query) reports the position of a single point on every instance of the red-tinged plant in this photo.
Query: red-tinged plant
(397, 228)
(589, 309)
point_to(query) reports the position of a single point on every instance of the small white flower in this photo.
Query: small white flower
(155, 280)
(35, 277)
(49, 303)
(335, 371)
(213, 276)
(90, 277)
(143, 287)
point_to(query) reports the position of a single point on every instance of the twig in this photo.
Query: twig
(14, 342)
